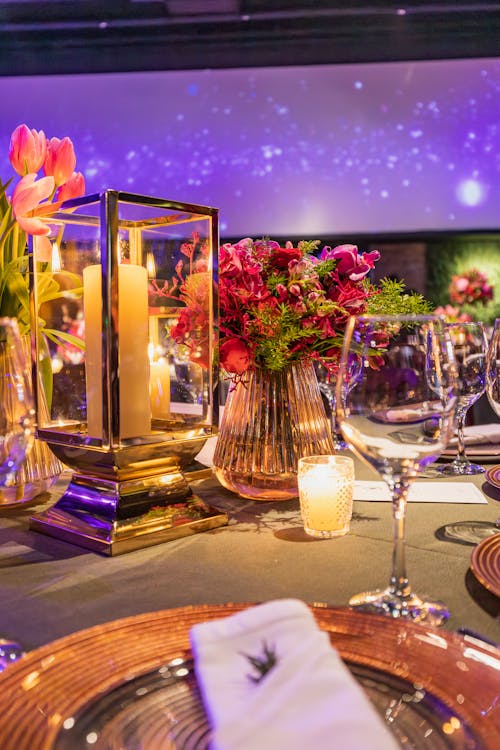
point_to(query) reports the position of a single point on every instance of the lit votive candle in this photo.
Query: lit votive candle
(326, 488)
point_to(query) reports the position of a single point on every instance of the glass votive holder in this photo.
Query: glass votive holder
(326, 489)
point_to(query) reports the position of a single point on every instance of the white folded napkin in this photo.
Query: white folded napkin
(308, 699)
(479, 434)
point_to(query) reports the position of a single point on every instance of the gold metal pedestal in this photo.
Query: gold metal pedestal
(116, 517)
(133, 497)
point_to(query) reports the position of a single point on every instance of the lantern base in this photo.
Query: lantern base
(113, 517)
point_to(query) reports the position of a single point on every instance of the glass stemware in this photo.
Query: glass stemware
(16, 402)
(16, 428)
(493, 369)
(327, 386)
(470, 346)
(398, 416)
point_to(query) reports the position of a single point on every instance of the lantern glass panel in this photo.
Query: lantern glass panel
(126, 334)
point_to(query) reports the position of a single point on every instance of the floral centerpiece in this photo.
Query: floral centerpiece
(191, 286)
(279, 305)
(282, 309)
(26, 212)
(470, 288)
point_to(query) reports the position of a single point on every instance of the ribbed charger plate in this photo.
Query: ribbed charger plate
(485, 563)
(98, 688)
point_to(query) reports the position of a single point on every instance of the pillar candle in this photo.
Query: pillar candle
(133, 361)
(159, 388)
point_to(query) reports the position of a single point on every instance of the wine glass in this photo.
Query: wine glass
(470, 346)
(493, 369)
(327, 386)
(398, 417)
(16, 427)
(16, 401)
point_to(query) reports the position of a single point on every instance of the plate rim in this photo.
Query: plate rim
(41, 679)
(480, 457)
(489, 474)
(477, 566)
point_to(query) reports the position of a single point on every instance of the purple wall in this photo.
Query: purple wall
(304, 151)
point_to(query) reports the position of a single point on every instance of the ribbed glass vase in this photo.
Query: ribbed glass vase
(270, 420)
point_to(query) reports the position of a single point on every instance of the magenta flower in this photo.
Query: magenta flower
(28, 149)
(350, 262)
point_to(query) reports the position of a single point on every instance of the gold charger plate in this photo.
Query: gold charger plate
(485, 563)
(55, 688)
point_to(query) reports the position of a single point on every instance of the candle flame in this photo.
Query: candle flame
(151, 266)
(56, 257)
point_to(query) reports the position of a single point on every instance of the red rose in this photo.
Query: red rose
(282, 257)
(234, 356)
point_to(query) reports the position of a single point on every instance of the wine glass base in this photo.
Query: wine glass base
(457, 469)
(411, 607)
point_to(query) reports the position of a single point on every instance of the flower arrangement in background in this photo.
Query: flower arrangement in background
(470, 288)
(279, 304)
(452, 314)
(27, 212)
(191, 287)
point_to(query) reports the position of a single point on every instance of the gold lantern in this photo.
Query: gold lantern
(124, 358)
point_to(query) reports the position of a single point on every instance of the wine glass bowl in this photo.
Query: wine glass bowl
(493, 369)
(397, 416)
(327, 386)
(470, 346)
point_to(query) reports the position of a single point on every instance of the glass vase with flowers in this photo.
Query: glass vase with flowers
(281, 310)
(25, 210)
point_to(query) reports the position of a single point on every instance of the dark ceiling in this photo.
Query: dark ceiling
(85, 36)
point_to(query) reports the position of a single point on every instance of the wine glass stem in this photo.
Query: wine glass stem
(399, 584)
(461, 457)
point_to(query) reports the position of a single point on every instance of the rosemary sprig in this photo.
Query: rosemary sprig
(262, 663)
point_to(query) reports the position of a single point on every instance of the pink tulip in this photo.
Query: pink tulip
(73, 188)
(60, 161)
(28, 193)
(28, 149)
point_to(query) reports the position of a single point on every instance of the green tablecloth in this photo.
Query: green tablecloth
(49, 588)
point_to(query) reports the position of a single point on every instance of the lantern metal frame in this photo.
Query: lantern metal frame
(126, 493)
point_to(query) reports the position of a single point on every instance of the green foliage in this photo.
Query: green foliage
(308, 247)
(392, 299)
(277, 332)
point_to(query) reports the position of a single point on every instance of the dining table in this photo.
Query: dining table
(50, 588)
(108, 658)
